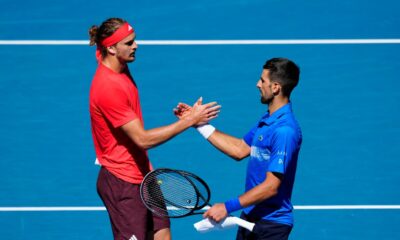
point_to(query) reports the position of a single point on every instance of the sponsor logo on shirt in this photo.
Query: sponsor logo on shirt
(281, 153)
(261, 154)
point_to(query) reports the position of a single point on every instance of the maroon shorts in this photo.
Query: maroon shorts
(130, 219)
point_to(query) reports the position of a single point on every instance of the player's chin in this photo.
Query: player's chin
(131, 59)
(264, 100)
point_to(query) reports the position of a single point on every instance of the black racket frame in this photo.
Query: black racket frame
(187, 175)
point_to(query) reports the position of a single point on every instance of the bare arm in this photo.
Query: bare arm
(264, 190)
(237, 149)
(232, 146)
(150, 138)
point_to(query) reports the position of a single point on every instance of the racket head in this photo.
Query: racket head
(202, 189)
(173, 193)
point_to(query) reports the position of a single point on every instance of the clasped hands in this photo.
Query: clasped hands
(199, 113)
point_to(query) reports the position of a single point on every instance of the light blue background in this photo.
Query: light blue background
(347, 104)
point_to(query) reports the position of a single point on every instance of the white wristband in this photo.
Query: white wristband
(206, 130)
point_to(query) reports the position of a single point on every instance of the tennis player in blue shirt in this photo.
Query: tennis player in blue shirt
(273, 145)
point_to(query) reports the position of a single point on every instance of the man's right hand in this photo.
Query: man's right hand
(199, 113)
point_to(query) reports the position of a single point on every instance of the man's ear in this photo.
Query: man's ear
(111, 50)
(276, 88)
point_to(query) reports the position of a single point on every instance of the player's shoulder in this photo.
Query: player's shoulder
(288, 129)
(104, 89)
(107, 82)
(288, 125)
(284, 129)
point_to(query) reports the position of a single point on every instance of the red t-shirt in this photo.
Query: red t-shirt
(114, 101)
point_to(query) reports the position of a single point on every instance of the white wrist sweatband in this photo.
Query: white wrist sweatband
(206, 130)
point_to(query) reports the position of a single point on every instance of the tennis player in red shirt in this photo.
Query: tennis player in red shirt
(120, 140)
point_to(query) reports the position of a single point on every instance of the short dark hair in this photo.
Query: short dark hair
(284, 72)
(106, 29)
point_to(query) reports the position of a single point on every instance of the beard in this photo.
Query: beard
(266, 100)
(126, 57)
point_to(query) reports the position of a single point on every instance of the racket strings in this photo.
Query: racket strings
(203, 191)
(170, 194)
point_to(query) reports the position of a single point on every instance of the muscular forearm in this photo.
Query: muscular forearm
(267, 189)
(256, 195)
(233, 147)
(147, 139)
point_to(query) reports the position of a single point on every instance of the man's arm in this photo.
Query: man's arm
(259, 193)
(232, 146)
(267, 189)
(283, 142)
(146, 139)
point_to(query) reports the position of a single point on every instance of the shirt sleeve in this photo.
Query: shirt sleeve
(116, 106)
(283, 146)
(248, 138)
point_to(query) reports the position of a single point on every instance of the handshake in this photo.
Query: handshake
(199, 114)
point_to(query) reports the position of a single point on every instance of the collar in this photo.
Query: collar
(270, 119)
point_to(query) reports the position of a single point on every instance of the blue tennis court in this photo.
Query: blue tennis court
(347, 104)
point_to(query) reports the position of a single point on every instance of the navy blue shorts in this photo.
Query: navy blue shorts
(130, 219)
(264, 230)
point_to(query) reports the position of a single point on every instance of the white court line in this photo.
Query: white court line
(49, 209)
(303, 207)
(345, 207)
(213, 42)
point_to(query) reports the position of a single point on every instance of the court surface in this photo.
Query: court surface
(347, 104)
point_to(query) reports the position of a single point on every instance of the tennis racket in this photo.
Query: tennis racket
(174, 193)
(177, 193)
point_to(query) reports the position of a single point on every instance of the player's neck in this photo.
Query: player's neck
(277, 103)
(114, 64)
